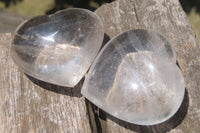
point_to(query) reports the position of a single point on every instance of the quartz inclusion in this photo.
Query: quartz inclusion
(135, 78)
(58, 48)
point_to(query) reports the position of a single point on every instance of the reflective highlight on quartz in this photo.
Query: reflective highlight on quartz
(58, 48)
(135, 78)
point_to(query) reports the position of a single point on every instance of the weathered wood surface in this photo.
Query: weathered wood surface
(29, 105)
(168, 18)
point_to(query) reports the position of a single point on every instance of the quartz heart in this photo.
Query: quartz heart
(58, 48)
(135, 78)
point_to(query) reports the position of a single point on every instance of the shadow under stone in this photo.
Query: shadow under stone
(61, 4)
(74, 92)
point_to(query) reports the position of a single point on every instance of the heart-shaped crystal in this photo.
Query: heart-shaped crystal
(135, 78)
(58, 48)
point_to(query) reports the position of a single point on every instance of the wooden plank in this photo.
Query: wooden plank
(168, 18)
(30, 105)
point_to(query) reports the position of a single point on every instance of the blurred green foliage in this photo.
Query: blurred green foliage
(37, 7)
(8, 2)
(29, 8)
(192, 8)
(194, 18)
(189, 5)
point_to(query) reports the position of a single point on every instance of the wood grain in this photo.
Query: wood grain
(30, 105)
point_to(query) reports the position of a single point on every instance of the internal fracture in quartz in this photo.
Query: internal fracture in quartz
(135, 78)
(58, 48)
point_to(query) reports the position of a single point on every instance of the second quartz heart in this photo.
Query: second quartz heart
(58, 48)
(135, 78)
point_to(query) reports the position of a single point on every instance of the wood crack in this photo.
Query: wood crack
(136, 15)
(94, 121)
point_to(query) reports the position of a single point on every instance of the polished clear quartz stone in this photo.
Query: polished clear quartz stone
(58, 48)
(135, 78)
